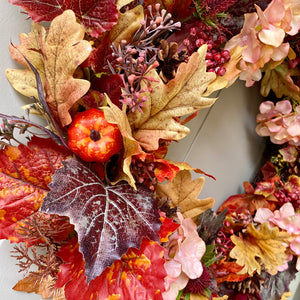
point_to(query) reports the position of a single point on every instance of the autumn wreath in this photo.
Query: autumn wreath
(96, 207)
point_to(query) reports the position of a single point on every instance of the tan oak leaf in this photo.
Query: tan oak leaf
(183, 192)
(260, 249)
(63, 52)
(181, 96)
(23, 80)
(113, 114)
(128, 23)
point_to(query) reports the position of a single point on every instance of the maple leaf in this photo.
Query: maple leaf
(180, 96)
(43, 286)
(184, 191)
(139, 274)
(260, 248)
(97, 16)
(108, 219)
(24, 80)
(25, 172)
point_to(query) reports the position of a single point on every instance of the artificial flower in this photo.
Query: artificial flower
(184, 252)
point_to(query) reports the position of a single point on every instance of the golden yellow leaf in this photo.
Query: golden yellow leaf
(128, 23)
(280, 81)
(115, 115)
(184, 192)
(259, 249)
(23, 80)
(63, 51)
(121, 3)
(43, 286)
(181, 96)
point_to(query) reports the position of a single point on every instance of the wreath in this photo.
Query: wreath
(93, 205)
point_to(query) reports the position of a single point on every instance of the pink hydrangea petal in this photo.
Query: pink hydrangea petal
(273, 127)
(173, 268)
(266, 107)
(294, 128)
(253, 51)
(275, 12)
(179, 284)
(281, 52)
(295, 246)
(262, 215)
(285, 107)
(273, 36)
(262, 130)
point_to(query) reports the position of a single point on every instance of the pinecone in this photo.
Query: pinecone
(250, 285)
(169, 60)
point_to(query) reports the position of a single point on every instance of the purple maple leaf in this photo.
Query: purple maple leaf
(108, 219)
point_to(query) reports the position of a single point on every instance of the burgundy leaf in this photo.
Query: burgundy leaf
(108, 219)
(97, 16)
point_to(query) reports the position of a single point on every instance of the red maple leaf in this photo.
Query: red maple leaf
(97, 16)
(25, 172)
(138, 275)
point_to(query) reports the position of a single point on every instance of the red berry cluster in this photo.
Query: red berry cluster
(200, 34)
(285, 196)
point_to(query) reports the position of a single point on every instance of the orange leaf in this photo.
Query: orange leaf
(25, 172)
(43, 286)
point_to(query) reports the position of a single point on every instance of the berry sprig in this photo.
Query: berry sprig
(201, 34)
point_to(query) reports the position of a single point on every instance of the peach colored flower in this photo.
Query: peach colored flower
(184, 251)
(279, 122)
(263, 34)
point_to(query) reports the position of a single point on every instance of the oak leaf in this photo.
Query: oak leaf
(128, 23)
(97, 16)
(25, 172)
(181, 96)
(184, 191)
(55, 56)
(63, 51)
(260, 249)
(108, 219)
(280, 81)
(113, 114)
(44, 286)
(24, 80)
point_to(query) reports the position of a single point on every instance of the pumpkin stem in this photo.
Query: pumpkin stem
(95, 135)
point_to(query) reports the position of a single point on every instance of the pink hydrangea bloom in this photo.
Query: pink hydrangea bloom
(263, 34)
(184, 251)
(279, 122)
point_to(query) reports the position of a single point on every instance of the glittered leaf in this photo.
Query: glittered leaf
(63, 51)
(260, 249)
(181, 96)
(108, 219)
(97, 16)
(277, 285)
(139, 274)
(38, 284)
(209, 225)
(184, 191)
(24, 80)
(25, 172)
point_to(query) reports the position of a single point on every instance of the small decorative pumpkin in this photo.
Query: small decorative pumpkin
(92, 138)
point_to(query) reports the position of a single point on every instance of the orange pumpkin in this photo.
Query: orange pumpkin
(92, 138)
